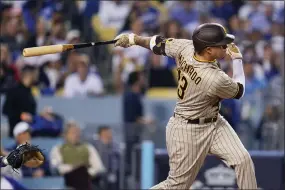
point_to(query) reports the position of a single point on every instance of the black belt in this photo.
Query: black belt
(201, 121)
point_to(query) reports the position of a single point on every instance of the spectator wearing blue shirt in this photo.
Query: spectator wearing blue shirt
(223, 10)
(22, 134)
(185, 12)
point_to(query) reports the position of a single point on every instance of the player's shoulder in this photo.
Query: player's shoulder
(179, 41)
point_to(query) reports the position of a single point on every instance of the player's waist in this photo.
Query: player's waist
(198, 120)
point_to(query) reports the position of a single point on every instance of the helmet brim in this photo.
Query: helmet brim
(229, 38)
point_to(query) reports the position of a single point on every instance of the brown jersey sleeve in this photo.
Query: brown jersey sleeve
(170, 47)
(173, 47)
(224, 87)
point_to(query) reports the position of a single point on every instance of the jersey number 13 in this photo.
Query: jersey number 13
(182, 85)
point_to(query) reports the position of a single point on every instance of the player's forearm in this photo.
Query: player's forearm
(142, 41)
(238, 73)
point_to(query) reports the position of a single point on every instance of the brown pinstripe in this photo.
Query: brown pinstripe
(189, 144)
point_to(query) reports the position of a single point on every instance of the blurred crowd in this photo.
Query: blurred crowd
(91, 72)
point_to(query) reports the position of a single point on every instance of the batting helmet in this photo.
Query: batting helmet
(210, 34)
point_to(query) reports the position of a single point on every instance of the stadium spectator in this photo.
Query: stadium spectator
(78, 162)
(68, 68)
(110, 155)
(159, 74)
(47, 124)
(22, 135)
(10, 34)
(222, 9)
(252, 103)
(9, 75)
(147, 14)
(20, 104)
(49, 73)
(108, 13)
(185, 12)
(172, 29)
(40, 37)
(125, 61)
(133, 113)
(84, 82)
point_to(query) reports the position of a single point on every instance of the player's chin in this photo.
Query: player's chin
(223, 55)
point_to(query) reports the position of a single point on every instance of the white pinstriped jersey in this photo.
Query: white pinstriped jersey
(201, 85)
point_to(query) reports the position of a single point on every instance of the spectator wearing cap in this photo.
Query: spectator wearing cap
(22, 135)
(84, 82)
(73, 36)
(20, 104)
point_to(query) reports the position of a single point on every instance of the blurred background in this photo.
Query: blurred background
(100, 113)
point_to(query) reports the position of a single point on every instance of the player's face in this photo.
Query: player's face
(218, 52)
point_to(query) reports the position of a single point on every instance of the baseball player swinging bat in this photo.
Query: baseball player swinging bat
(196, 128)
(43, 50)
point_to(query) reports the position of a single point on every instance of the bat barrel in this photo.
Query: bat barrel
(43, 50)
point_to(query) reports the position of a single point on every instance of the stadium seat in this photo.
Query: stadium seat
(157, 92)
(43, 183)
(104, 33)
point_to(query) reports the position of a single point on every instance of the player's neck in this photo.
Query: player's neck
(203, 58)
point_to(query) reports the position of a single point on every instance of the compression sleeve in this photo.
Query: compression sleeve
(238, 73)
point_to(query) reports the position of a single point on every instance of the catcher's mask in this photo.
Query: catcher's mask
(210, 35)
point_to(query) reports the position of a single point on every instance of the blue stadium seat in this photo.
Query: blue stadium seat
(43, 183)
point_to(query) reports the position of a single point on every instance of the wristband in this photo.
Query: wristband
(152, 42)
(132, 39)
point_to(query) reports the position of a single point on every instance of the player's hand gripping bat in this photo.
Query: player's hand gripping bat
(43, 50)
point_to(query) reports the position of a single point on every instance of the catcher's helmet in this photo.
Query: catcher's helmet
(210, 34)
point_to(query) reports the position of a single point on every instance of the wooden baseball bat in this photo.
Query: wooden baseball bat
(43, 50)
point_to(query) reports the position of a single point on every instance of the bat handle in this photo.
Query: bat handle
(84, 45)
(106, 42)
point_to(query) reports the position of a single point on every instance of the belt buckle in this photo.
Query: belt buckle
(212, 120)
(202, 121)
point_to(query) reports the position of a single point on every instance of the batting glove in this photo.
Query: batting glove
(234, 52)
(125, 40)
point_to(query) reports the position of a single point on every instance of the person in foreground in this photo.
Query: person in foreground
(197, 129)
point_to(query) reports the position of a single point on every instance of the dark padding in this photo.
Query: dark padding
(240, 91)
(159, 47)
